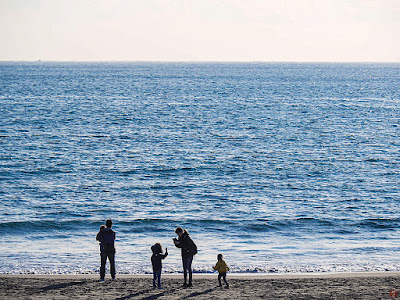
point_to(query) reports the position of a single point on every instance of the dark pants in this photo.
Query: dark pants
(111, 258)
(187, 268)
(222, 275)
(157, 276)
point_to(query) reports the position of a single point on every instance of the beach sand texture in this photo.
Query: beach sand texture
(339, 286)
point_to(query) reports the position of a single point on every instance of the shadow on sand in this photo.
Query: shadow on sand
(61, 286)
(146, 292)
(195, 294)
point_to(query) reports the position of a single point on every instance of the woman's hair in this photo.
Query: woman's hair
(220, 257)
(179, 230)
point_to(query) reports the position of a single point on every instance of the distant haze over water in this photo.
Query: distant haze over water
(280, 167)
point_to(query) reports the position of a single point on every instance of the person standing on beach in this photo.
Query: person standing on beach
(188, 250)
(106, 237)
(222, 268)
(156, 261)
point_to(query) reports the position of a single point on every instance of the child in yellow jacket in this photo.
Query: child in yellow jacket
(222, 268)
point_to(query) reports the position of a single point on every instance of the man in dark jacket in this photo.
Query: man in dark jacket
(106, 237)
(188, 250)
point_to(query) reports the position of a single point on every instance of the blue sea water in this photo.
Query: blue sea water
(281, 167)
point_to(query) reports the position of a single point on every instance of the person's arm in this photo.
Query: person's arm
(98, 236)
(216, 266)
(177, 243)
(164, 255)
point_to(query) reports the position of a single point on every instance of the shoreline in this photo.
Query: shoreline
(212, 275)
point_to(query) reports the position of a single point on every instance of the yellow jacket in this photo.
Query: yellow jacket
(221, 267)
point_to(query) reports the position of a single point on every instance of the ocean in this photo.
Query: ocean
(281, 167)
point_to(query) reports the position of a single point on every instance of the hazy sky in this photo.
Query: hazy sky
(200, 30)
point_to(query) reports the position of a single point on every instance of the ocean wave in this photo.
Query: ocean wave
(338, 226)
(125, 226)
(159, 170)
(380, 223)
(45, 226)
(234, 269)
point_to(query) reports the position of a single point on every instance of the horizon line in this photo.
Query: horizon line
(200, 61)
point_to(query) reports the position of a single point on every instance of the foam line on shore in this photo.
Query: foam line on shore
(209, 275)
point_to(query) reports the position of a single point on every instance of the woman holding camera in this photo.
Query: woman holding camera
(188, 250)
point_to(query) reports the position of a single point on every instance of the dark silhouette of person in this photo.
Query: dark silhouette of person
(156, 261)
(106, 237)
(188, 250)
(102, 227)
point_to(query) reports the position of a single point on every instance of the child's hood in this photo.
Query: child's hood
(156, 249)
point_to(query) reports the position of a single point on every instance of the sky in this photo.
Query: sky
(200, 30)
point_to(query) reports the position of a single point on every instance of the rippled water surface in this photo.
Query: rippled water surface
(280, 167)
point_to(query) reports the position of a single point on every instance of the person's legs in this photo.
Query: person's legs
(224, 277)
(219, 279)
(154, 278)
(189, 261)
(187, 269)
(103, 265)
(159, 278)
(111, 258)
(184, 270)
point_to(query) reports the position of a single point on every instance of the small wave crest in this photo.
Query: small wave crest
(380, 223)
(292, 225)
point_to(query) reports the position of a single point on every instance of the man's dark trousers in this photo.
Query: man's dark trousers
(111, 259)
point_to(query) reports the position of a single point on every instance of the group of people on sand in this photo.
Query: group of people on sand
(106, 237)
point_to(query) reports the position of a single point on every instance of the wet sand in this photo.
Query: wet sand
(298, 286)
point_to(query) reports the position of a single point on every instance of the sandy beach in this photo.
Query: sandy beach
(299, 286)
